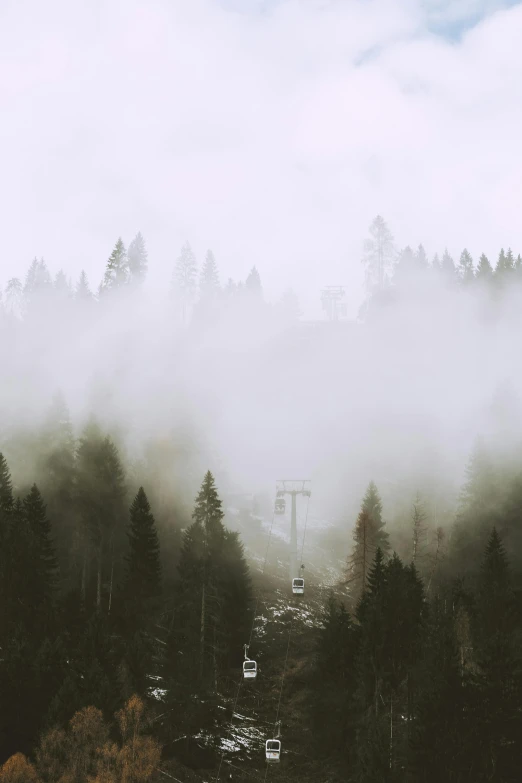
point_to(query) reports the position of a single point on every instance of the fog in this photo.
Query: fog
(273, 134)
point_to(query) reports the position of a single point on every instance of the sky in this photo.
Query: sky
(271, 132)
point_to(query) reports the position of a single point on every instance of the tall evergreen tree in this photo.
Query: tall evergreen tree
(504, 267)
(378, 254)
(137, 259)
(484, 270)
(184, 279)
(14, 297)
(209, 277)
(143, 577)
(43, 565)
(117, 269)
(253, 282)
(447, 267)
(6, 513)
(466, 270)
(83, 292)
(369, 536)
(499, 660)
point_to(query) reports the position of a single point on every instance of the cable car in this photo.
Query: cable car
(298, 586)
(280, 506)
(249, 670)
(273, 750)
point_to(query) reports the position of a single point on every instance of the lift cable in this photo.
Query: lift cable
(304, 532)
(281, 688)
(249, 640)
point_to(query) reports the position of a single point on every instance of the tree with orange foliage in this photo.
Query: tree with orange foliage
(85, 754)
(18, 769)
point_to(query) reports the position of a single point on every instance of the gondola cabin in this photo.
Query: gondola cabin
(280, 506)
(249, 670)
(298, 586)
(273, 750)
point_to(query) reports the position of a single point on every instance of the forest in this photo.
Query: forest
(139, 555)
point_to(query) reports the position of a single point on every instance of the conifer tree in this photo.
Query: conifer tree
(61, 285)
(369, 535)
(466, 271)
(334, 677)
(378, 254)
(504, 267)
(447, 267)
(117, 269)
(484, 270)
(418, 529)
(435, 264)
(184, 279)
(253, 282)
(499, 660)
(442, 737)
(209, 278)
(143, 577)
(6, 513)
(421, 258)
(56, 475)
(101, 497)
(405, 268)
(137, 259)
(83, 292)
(42, 562)
(14, 297)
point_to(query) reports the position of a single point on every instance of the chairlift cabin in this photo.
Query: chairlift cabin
(298, 586)
(273, 750)
(249, 670)
(280, 506)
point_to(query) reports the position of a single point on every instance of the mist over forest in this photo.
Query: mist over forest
(406, 421)
(260, 391)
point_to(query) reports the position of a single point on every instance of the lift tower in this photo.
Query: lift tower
(293, 487)
(332, 301)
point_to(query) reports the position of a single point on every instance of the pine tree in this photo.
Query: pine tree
(253, 282)
(212, 608)
(405, 268)
(466, 271)
(42, 563)
(143, 578)
(378, 253)
(137, 259)
(38, 279)
(83, 292)
(61, 285)
(369, 535)
(435, 264)
(101, 496)
(117, 269)
(209, 278)
(56, 475)
(6, 513)
(504, 267)
(14, 297)
(499, 661)
(418, 529)
(478, 507)
(447, 266)
(184, 278)
(484, 270)
(421, 258)
(334, 679)
(442, 737)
